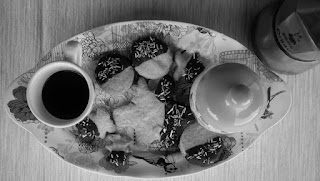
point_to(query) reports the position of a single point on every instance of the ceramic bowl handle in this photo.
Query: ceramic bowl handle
(73, 52)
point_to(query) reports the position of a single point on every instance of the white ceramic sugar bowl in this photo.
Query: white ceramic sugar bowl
(228, 98)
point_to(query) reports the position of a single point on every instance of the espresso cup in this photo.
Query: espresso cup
(61, 94)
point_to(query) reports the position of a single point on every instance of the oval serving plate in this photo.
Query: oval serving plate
(214, 48)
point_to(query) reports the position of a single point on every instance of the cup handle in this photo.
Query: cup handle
(72, 52)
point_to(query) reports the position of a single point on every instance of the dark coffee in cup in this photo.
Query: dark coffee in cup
(65, 94)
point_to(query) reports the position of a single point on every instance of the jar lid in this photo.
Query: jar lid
(228, 97)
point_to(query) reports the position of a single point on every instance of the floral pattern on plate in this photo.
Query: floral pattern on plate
(19, 106)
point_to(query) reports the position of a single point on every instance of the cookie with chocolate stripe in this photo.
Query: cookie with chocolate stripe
(151, 57)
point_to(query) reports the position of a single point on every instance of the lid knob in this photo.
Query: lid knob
(239, 96)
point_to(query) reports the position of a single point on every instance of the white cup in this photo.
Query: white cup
(72, 54)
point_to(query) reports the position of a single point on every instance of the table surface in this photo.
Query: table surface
(288, 151)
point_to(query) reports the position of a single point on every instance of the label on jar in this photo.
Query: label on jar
(295, 39)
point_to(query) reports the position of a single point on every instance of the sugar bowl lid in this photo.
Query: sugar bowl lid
(227, 98)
